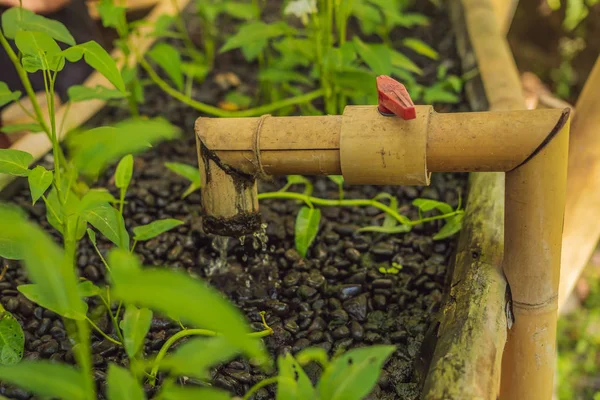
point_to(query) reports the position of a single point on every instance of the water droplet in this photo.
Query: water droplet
(219, 244)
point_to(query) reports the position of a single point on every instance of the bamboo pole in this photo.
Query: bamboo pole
(472, 332)
(505, 11)
(472, 322)
(582, 230)
(76, 114)
(534, 216)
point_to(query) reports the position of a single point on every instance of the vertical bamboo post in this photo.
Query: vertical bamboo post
(582, 229)
(505, 10)
(534, 205)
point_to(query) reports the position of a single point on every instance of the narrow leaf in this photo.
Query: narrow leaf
(124, 172)
(96, 57)
(255, 32)
(172, 293)
(376, 56)
(15, 162)
(173, 392)
(169, 59)
(353, 375)
(189, 172)
(399, 60)
(14, 128)
(155, 228)
(6, 95)
(88, 289)
(16, 19)
(421, 48)
(40, 180)
(427, 205)
(79, 93)
(46, 378)
(196, 356)
(307, 226)
(12, 339)
(136, 324)
(123, 386)
(293, 383)
(389, 230)
(110, 223)
(452, 226)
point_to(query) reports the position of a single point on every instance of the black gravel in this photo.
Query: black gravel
(336, 298)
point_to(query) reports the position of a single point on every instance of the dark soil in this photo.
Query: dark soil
(335, 298)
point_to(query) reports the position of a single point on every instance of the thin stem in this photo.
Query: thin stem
(260, 385)
(191, 332)
(26, 111)
(338, 203)
(26, 83)
(122, 200)
(101, 332)
(84, 358)
(112, 316)
(52, 210)
(208, 109)
(64, 118)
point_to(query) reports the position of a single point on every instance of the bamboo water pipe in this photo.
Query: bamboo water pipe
(362, 145)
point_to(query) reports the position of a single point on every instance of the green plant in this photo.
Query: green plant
(309, 217)
(350, 376)
(575, 12)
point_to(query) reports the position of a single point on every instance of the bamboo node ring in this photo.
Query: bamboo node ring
(261, 174)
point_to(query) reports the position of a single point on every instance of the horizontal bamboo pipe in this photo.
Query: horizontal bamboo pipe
(363, 145)
(457, 142)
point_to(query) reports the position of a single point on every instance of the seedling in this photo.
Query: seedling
(393, 270)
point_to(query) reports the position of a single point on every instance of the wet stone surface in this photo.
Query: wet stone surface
(336, 298)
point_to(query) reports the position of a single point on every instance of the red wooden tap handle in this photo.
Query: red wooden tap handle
(394, 98)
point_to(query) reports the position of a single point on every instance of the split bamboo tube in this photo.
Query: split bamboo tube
(504, 10)
(582, 229)
(534, 207)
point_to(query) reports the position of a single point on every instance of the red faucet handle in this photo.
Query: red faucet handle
(394, 98)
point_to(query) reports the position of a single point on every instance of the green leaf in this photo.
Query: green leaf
(189, 172)
(172, 392)
(14, 128)
(112, 16)
(420, 47)
(376, 56)
(96, 57)
(124, 172)
(15, 162)
(88, 289)
(337, 179)
(195, 357)
(198, 72)
(16, 19)
(293, 383)
(408, 20)
(10, 250)
(155, 228)
(39, 50)
(307, 226)
(438, 94)
(6, 95)
(399, 60)
(241, 100)
(109, 222)
(94, 198)
(452, 226)
(135, 324)
(48, 379)
(123, 266)
(353, 375)
(59, 216)
(12, 339)
(367, 15)
(427, 205)
(93, 150)
(255, 32)
(276, 75)
(79, 93)
(123, 386)
(309, 354)
(40, 180)
(240, 10)
(172, 293)
(92, 235)
(169, 59)
(34, 292)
